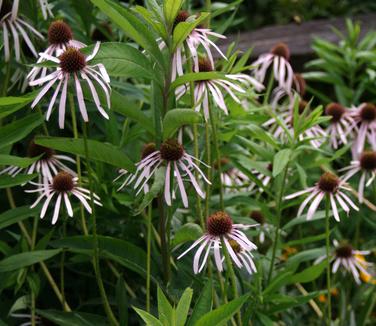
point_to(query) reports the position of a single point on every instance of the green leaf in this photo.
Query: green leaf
(9, 105)
(122, 301)
(171, 9)
(19, 129)
(281, 159)
(25, 259)
(7, 181)
(183, 307)
(131, 26)
(17, 214)
(309, 274)
(223, 313)
(165, 310)
(188, 232)
(293, 302)
(73, 318)
(305, 256)
(121, 60)
(149, 319)
(196, 76)
(277, 282)
(123, 252)
(21, 162)
(177, 118)
(203, 304)
(183, 29)
(98, 151)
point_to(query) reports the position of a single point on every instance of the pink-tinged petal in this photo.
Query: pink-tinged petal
(342, 204)
(354, 272)
(80, 99)
(49, 57)
(6, 42)
(44, 79)
(232, 253)
(95, 95)
(196, 259)
(106, 88)
(296, 194)
(316, 202)
(348, 200)
(361, 187)
(217, 256)
(38, 199)
(205, 258)
(82, 199)
(181, 186)
(94, 53)
(335, 266)
(193, 246)
(16, 41)
(193, 180)
(68, 205)
(334, 207)
(45, 205)
(57, 209)
(15, 9)
(167, 191)
(63, 101)
(53, 100)
(43, 92)
(305, 203)
(26, 38)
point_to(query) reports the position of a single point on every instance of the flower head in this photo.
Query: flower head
(178, 164)
(73, 63)
(279, 56)
(221, 231)
(12, 24)
(328, 185)
(364, 126)
(349, 259)
(339, 125)
(48, 164)
(366, 164)
(199, 36)
(63, 185)
(229, 84)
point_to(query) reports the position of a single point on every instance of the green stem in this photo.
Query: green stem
(78, 161)
(46, 272)
(96, 262)
(62, 263)
(44, 125)
(218, 156)
(327, 233)
(279, 213)
(231, 273)
(32, 246)
(148, 257)
(208, 9)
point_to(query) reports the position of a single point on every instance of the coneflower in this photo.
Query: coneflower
(221, 231)
(72, 63)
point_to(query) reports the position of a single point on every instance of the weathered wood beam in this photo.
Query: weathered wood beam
(298, 37)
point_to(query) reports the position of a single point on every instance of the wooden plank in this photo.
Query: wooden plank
(298, 37)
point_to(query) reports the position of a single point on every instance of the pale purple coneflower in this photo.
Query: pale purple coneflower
(366, 164)
(350, 259)
(364, 126)
(232, 178)
(60, 37)
(328, 185)
(229, 84)
(46, 9)
(265, 228)
(48, 165)
(339, 126)
(178, 164)
(315, 134)
(147, 149)
(11, 23)
(280, 93)
(222, 231)
(72, 63)
(198, 36)
(63, 185)
(282, 72)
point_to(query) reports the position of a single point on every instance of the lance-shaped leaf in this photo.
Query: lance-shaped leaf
(171, 9)
(9, 181)
(177, 118)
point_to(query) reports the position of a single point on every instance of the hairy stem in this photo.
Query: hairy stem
(277, 230)
(96, 262)
(327, 245)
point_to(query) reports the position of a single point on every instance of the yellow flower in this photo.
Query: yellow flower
(288, 251)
